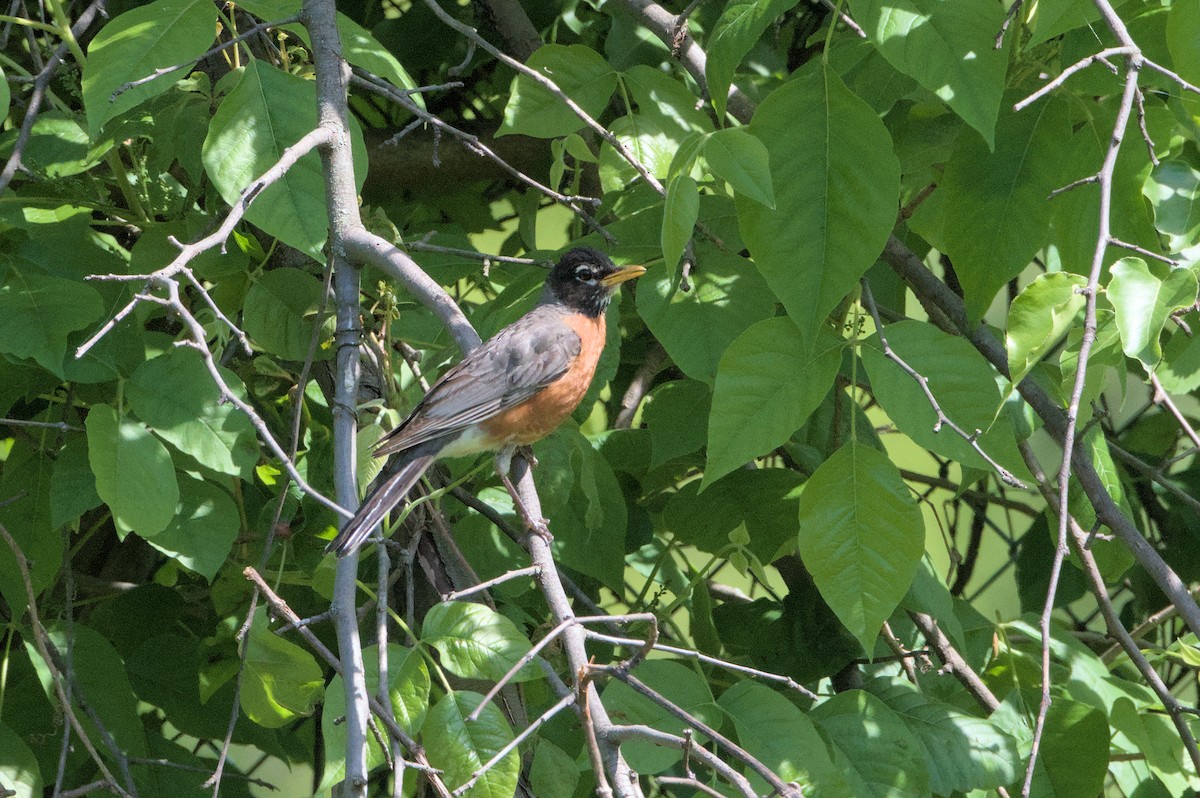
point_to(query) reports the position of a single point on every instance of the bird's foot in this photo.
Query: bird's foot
(539, 527)
(527, 453)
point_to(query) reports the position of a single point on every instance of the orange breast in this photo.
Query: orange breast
(537, 417)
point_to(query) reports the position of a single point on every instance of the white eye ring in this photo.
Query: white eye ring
(585, 273)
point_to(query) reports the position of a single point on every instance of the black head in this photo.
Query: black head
(585, 279)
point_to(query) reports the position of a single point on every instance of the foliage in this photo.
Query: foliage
(815, 489)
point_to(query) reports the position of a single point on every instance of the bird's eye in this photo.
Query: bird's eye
(585, 274)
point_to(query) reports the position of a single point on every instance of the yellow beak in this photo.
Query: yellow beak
(621, 275)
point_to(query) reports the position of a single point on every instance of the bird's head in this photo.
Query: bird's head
(585, 279)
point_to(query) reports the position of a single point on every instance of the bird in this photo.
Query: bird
(512, 390)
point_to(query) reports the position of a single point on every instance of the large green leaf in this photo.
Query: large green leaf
(476, 642)
(959, 378)
(836, 186)
(1144, 296)
(38, 311)
(176, 396)
(1184, 46)
(861, 537)
(282, 681)
(963, 752)
(1173, 189)
(770, 378)
(1039, 316)
(279, 312)
(203, 529)
(782, 737)
(873, 748)
(948, 46)
(579, 71)
(460, 748)
(696, 326)
(1073, 757)
(165, 33)
(740, 25)
(1000, 200)
(134, 473)
(681, 685)
(266, 112)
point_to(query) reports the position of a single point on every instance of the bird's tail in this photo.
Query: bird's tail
(382, 501)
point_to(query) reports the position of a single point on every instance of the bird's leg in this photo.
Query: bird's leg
(527, 453)
(537, 526)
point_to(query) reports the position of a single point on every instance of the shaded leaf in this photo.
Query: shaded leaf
(742, 161)
(203, 529)
(280, 312)
(1173, 189)
(737, 30)
(38, 311)
(681, 685)
(679, 217)
(872, 747)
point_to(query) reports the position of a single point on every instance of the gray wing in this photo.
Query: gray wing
(509, 368)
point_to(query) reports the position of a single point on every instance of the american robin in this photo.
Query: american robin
(511, 391)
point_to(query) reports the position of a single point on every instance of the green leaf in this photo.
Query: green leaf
(38, 311)
(279, 312)
(1182, 23)
(27, 479)
(1144, 296)
(134, 473)
(265, 113)
(203, 529)
(760, 503)
(101, 682)
(1050, 18)
(836, 192)
(476, 642)
(5, 95)
(737, 30)
(948, 46)
(779, 735)
(670, 416)
(282, 681)
(408, 686)
(1073, 757)
(861, 537)
(695, 327)
(1039, 316)
(963, 752)
(1001, 198)
(1150, 735)
(161, 34)
(770, 378)
(176, 396)
(1179, 370)
(73, 486)
(460, 748)
(553, 773)
(57, 146)
(741, 160)
(959, 378)
(873, 748)
(681, 685)
(679, 217)
(579, 71)
(1173, 189)
(19, 771)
